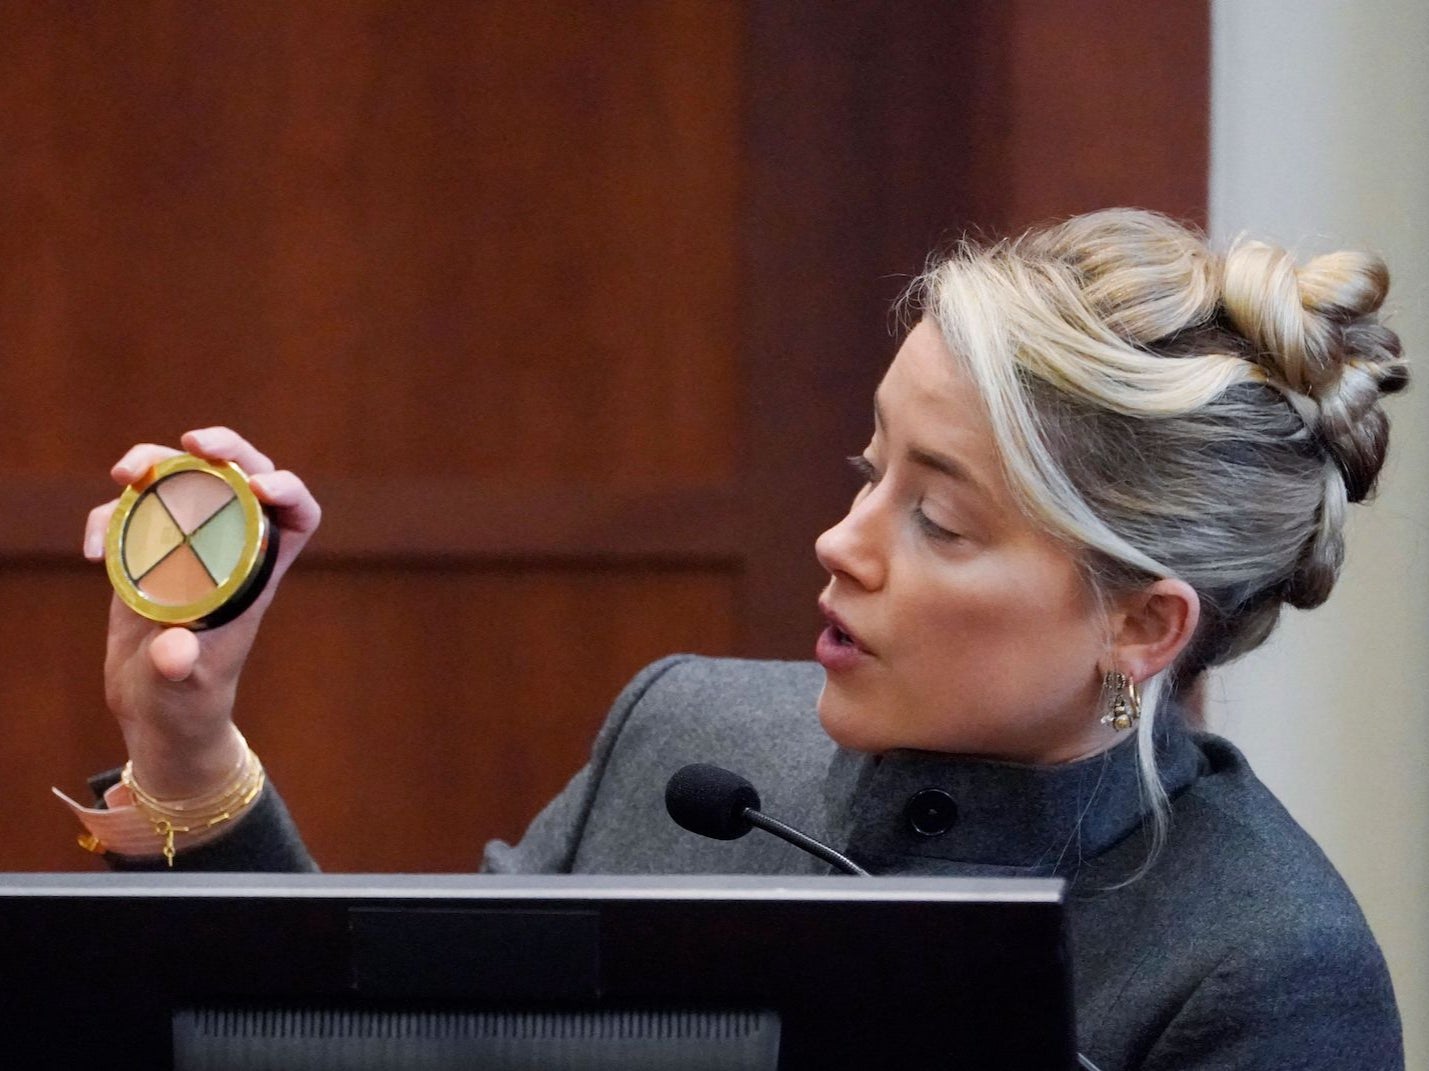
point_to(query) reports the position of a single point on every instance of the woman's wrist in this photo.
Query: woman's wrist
(137, 824)
(182, 823)
(184, 766)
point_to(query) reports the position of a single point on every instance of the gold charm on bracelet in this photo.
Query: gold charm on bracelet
(198, 813)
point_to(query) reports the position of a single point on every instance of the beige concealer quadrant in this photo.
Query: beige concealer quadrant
(193, 497)
(149, 534)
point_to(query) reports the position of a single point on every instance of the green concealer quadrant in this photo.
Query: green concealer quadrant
(219, 541)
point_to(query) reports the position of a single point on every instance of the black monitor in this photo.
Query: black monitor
(294, 972)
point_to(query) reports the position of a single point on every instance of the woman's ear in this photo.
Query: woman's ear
(1152, 626)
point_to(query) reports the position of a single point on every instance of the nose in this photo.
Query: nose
(855, 547)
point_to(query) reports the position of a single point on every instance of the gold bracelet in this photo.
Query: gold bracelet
(194, 803)
(198, 813)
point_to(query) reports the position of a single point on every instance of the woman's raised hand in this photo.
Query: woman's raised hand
(172, 689)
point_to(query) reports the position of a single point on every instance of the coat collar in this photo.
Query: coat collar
(998, 817)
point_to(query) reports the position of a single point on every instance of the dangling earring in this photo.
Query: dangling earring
(1123, 704)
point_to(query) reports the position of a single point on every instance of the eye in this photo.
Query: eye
(864, 468)
(931, 528)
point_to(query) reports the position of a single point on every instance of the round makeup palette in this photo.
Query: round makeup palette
(190, 544)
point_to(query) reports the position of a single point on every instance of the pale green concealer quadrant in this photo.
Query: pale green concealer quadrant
(220, 540)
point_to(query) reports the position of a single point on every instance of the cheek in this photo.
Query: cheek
(1011, 633)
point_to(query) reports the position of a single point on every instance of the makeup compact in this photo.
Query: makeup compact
(190, 544)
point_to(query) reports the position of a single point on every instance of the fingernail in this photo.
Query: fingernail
(93, 545)
(201, 439)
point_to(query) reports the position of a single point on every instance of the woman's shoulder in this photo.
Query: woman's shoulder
(1231, 826)
(1242, 941)
(758, 719)
(736, 690)
(1264, 882)
(1237, 873)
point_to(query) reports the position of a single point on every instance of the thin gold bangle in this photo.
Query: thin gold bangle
(198, 814)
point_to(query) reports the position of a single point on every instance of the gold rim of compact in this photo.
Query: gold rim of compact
(182, 550)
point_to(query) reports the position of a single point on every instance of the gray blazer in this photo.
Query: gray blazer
(1240, 947)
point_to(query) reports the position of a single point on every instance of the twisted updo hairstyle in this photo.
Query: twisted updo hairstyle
(1169, 412)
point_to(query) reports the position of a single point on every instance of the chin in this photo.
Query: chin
(846, 724)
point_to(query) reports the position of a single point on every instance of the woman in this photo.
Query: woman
(1102, 461)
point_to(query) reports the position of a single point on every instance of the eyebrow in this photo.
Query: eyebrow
(930, 459)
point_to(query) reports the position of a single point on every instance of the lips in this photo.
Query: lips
(842, 634)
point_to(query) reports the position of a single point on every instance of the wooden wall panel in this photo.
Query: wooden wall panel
(850, 181)
(492, 239)
(876, 132)
(408, 713)
(1107, 103)
(471, 269)
(1085, 106)
(56, 728)
(455, 715)
(569, 313)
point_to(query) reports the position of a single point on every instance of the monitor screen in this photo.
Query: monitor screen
(228, 971)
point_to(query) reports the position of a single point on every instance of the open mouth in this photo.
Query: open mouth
(841, 636)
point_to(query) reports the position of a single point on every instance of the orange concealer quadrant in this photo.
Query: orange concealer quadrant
(150, 534)
(193, 497)
(178, 580)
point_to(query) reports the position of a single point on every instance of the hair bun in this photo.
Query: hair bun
(1144, 276)
(1314, 330)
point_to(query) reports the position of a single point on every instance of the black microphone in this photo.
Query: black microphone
(714, 802)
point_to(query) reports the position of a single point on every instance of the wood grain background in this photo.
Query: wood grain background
(568, 313)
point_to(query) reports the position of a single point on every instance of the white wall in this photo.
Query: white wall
(1320, 139)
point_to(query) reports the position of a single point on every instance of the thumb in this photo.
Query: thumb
(174, 653)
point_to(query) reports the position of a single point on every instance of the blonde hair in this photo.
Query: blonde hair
(1169, 412)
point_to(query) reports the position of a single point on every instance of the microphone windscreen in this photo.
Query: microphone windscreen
(710, 801)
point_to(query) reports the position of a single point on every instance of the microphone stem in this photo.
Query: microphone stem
(813, 847)
(837, 860)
